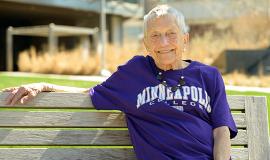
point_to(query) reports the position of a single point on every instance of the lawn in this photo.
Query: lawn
(10, 81)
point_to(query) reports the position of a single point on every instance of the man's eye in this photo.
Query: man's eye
(171, 35)
(154, 35)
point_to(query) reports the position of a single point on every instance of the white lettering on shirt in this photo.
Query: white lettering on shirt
(183, 96)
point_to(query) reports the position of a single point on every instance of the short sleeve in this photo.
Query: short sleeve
(106, 96)
(221, 114)
(116, 93)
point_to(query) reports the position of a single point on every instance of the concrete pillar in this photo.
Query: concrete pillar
(103, 38)
(52, 40)
(85, 46)
(117, 30)
(9, 51)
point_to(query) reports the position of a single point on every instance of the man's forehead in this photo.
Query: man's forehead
(168, 21)
(162, 17)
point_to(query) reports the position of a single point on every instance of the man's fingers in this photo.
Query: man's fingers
(21, 95)
(18, 95)
(10, 97)
(31, 94)
(10, 89)
(26, 99)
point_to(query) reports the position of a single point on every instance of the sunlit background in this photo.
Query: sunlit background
(88, 36)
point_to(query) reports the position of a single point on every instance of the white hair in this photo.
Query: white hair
(162, 10)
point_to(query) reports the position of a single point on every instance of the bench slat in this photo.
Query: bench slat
(77, 137)
(74, 119)
(240, 120)
(50, 99)
(86, 154)
(239, 153)
(236, 102)
(258, 140)
(240, 139)
(62, 119)
(67, 154)
(82, 100)
(64, 137)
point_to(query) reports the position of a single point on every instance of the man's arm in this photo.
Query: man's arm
(57, 88)
(25, 93)
(222, 143)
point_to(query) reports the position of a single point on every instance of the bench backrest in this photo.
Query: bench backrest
(63, 126)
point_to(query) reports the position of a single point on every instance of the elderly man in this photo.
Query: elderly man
(175, 109)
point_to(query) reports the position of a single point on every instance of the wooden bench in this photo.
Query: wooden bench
(63, 126)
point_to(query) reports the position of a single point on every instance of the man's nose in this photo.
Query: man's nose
(164, 40)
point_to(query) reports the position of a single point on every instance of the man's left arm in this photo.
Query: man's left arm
(222, 143)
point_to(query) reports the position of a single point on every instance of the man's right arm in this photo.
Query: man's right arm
(24, 93)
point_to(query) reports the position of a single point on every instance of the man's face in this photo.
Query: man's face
(164, 40)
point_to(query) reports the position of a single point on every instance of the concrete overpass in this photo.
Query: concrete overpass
(80, 13)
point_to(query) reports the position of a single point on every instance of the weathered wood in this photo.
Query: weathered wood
(61, 119)
(86, 154)
(240, 139)
(253, 118)
(240, 120)
(81, 100)
(77, 137)
(67, 154)
(63, 137)
(54, 100)
(74, 119)
(239, 153)
(236, 102)
(257, 126)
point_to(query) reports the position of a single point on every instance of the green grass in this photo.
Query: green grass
(11, 81)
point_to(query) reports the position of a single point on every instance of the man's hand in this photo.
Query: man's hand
(23, 94)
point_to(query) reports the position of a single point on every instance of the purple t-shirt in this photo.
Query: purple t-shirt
(166, 125)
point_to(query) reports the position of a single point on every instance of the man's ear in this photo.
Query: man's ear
(186, 38)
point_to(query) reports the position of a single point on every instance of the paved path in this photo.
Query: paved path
(245, 88)
(102, 78)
